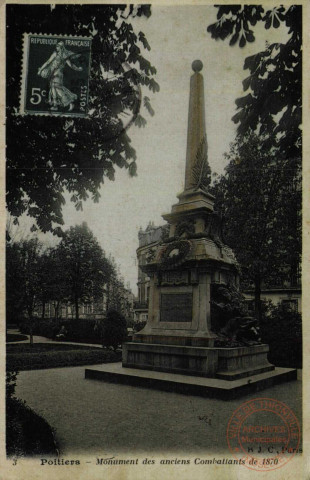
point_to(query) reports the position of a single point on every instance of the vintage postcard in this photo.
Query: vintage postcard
(155, 240)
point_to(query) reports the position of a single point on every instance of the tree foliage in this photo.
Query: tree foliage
(75, 272)
(23, 279)
(259, 198)
(54, 287)
(273, 103)
(282, 330)
(84, 265)
(114, 329)
(49, 155)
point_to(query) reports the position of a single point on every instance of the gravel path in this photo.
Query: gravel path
(94, 417)
(38, 339)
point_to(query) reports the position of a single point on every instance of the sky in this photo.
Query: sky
(177, 36)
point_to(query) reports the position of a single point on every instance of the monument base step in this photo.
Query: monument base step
(200, 386)
(243, 373)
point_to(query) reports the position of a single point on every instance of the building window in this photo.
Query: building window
(88, 309)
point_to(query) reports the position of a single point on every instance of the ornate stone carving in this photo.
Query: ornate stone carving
(174, 277)
(185, 228)
(232, 325)
(239, 331)
(174, 254)
(201, 173)
(150, 255)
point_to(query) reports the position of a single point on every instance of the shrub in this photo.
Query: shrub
(10, 384)
(281, 329)
(114, 330)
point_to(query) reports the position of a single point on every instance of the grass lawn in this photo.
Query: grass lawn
(49, 355)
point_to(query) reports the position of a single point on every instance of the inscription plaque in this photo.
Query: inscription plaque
(174, 278)
(176, 307)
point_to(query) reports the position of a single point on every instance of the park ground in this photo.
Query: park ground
(97, 418)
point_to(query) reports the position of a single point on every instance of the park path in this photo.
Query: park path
(98, 418)
(38, 339)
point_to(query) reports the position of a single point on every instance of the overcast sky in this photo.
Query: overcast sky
(177, 36)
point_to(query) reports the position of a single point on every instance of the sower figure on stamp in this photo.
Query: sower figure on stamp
(53, 69)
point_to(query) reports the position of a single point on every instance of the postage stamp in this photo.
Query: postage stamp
(55, 78)
(263, 434)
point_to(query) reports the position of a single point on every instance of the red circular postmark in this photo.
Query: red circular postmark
(263, 434)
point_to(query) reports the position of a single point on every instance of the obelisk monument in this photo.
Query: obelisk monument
(185, 265)
(184, 269)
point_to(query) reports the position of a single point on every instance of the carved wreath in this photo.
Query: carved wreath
(174, 254)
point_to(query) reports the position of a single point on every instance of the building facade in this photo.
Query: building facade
(148, 238)
(114, 296)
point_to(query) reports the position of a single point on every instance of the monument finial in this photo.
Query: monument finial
(197, 65)
(197, 172)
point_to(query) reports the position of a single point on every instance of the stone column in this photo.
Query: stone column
(204, 303)
(196, 130)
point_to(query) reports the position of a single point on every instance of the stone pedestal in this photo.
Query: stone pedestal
(223, 363)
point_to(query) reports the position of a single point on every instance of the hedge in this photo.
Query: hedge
(57, 357)
(15, 337)
(85, 331)
(26, 432)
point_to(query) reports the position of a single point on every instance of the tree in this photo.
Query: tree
(114, 329)
(23, 278)
(113, 287)
(53, 281)
(84, 265)
(14, 283)
(272, 105)
(259, 198)
(47, 156)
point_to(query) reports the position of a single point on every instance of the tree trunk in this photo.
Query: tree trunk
(31, 331)
(257, 300)
(30, 317)
(56, 311)
(43, 310)
(77, 308)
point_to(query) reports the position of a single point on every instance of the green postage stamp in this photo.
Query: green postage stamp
(55, 78)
